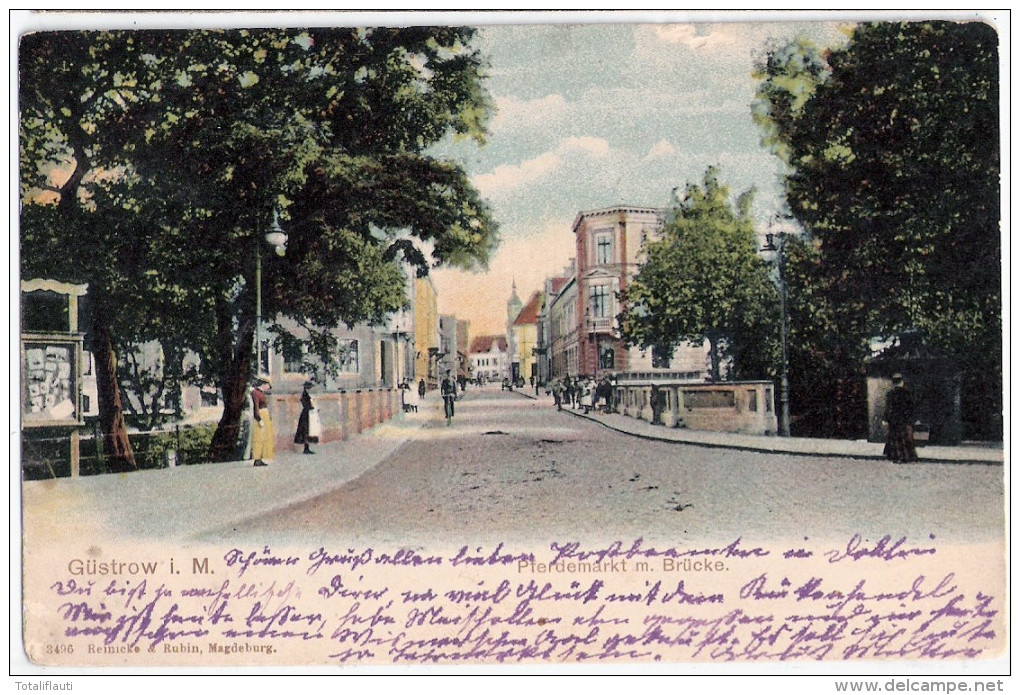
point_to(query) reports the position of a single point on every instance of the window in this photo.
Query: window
(600, 301)
(603, 249)
(347, 356)
(661, 357)
(752, 400)
(293, 358)
(607, 357)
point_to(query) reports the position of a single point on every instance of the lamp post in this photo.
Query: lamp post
(784, 372)
(276, 238)
(541, 375)
(400, 356)
(591, 340)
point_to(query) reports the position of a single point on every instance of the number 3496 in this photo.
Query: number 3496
(60, 649)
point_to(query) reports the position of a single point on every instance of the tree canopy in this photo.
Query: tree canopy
(891, 147)
(703, 279)
(159, 159)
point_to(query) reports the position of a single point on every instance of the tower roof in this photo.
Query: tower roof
(514, 299)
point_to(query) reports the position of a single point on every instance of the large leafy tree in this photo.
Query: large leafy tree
(703, 280)
(81, 199)
(892, 152)
(330, 128)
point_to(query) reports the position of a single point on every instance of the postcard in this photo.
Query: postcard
(667, 342)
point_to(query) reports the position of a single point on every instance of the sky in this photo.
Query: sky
(591, 110)
(595, 115)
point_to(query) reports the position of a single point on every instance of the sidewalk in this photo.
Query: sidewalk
(190, 502)
(798, 446)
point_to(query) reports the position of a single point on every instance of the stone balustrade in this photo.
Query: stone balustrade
(746, 407)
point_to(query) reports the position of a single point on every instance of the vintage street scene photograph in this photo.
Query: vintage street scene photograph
(512, 340)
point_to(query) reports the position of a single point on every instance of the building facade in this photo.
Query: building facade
(553, 287)
(426, 332)
(448, 348)
(365, 357)
(489, 358)
(563, 333)
(608, 243)
(463, 349)
(582, 335)
(525, 331)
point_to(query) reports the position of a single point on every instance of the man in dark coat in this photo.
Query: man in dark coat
(448, 389)
(899, 415)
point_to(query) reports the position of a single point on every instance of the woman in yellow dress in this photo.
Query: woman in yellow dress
(263, 439)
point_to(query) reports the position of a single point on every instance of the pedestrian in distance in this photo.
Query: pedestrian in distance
(604, 392)
(263, 438)
(448, 389)
(302, 435)
(588, 396)
(421, 389)
(557, 391)
(899, 417)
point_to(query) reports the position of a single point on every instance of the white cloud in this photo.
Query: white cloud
(663, 148)
(596, 147)
(512, 114)
(509, 177)
(702, 38)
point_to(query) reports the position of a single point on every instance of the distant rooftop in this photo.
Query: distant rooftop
(529, 314)
(633, 209)
(557, 284)
(483, 343)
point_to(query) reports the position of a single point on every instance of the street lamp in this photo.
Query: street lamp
(399, 335)
(276, 238)
(784, 373)
(542, 375)
(591, 339)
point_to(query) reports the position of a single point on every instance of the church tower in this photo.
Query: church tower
(513, 305)
(513, 310)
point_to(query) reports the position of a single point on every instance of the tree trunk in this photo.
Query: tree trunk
(119, 456)
(713, 354)
(235, 360)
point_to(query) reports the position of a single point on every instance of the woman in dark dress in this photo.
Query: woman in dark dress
(301, 436)
(899, 415)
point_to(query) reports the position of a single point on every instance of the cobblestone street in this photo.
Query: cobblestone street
(514, 468)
